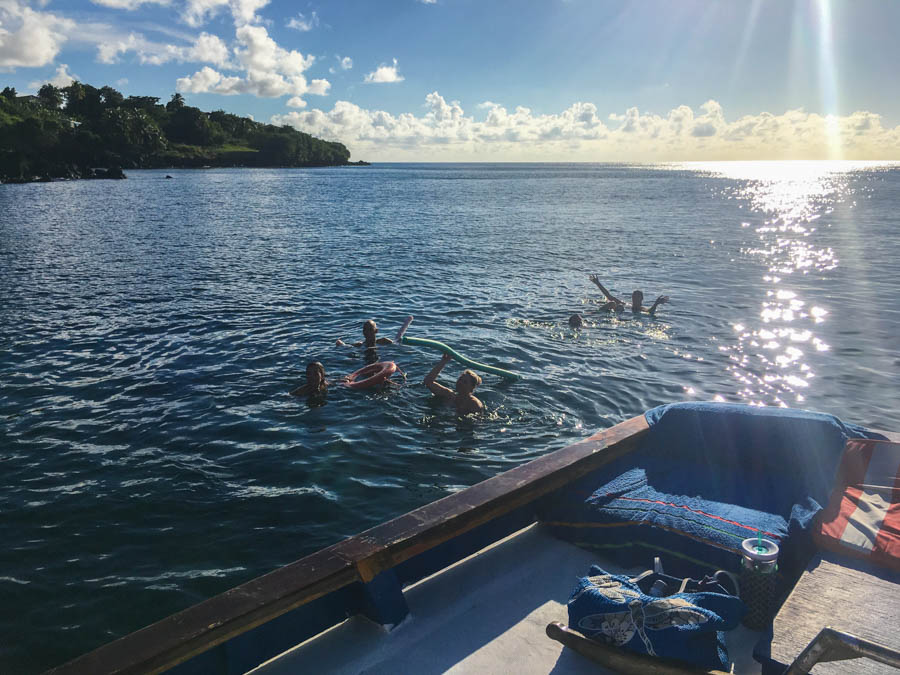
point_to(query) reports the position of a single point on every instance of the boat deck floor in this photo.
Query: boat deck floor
(485, 614)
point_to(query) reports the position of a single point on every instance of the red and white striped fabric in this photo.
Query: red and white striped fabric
(863, 516)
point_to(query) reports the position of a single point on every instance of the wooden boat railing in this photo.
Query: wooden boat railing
(370, 559)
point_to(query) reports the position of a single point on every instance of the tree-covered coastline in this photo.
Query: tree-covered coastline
(73, 131)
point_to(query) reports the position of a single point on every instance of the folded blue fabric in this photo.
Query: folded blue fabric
(712, 531)
(705, 475)
(687, 626)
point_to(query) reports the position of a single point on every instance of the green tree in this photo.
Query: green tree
(50, 97)
(9, 93)
(192, 126)
(131, 137)
(74, 94)
(176, 103)
(111, 97)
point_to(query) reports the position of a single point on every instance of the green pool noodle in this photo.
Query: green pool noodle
(474, 365)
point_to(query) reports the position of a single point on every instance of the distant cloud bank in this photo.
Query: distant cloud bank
(579, 133)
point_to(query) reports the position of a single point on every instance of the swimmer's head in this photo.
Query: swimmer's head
(637, 299)
(466, 383)
(575, 321)
(315, 374)
(369, 330)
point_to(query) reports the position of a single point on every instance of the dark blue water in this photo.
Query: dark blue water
(152, 328)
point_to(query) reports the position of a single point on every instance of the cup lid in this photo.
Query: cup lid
(762, 550)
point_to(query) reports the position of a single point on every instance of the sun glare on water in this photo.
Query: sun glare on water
(772, 355)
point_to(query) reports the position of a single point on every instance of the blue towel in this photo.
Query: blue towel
(687, 626)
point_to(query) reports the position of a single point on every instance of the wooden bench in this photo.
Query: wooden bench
(848, 596)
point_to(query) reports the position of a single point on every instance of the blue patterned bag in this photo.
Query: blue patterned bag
(657, 614)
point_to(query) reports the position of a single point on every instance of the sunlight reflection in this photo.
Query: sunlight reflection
(794, 199)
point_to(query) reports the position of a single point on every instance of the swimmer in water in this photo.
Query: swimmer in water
(315, 381)
(369, 340)
(637, 298)
(575, 321)
(462, 399)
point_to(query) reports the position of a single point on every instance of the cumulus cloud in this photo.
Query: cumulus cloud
(268, 71)
(578, 133)
(62, 78)
(198, 12)
(206, 48)
(384, 73)
(30, 39)
(259, 52)
(302, 23)
(346, 62)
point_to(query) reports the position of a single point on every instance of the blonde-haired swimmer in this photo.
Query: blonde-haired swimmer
(462, 399)
(370, 328)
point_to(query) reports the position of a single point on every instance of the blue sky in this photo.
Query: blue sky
(497, 80)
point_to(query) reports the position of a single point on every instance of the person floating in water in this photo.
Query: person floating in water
(462, 399)
(315, 381)
(369, 340)
(575, 321)
(637, 298)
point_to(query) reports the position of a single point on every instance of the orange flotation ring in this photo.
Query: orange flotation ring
(371, 375)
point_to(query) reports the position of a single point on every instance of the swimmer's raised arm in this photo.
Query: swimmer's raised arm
(433, 386)
(661, 300)
(609, 296)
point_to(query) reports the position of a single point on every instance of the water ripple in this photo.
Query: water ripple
(152, 456)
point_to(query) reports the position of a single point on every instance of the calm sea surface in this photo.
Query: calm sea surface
(151, 329)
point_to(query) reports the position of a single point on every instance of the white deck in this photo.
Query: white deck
(485, 614)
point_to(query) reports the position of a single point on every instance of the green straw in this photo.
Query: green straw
(759, 546)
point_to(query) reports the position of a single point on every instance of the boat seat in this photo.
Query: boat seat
(632, 522)
(851, 584)
(706, 476)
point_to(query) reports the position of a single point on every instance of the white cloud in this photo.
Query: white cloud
(346, 62)
(428, 2)
(319, 87)
(303, 23)
(269, 71)
(121, 82)
(206, 48)
(30, 39)
(62, 78)
(445, 132)
(257, 83)
(384, 73)
(128, 4)
(296, 102)
(198, 12)
(260, 52)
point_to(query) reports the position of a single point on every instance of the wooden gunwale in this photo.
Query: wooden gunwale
(360, 558)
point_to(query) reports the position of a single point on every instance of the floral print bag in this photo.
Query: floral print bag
(658, 615)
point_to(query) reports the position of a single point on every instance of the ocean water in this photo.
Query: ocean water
(151, 330)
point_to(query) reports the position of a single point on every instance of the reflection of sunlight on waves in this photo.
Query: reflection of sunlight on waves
(779, 171)
(772, 361)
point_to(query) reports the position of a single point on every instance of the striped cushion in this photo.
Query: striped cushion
(863, 515)
(631, 521)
